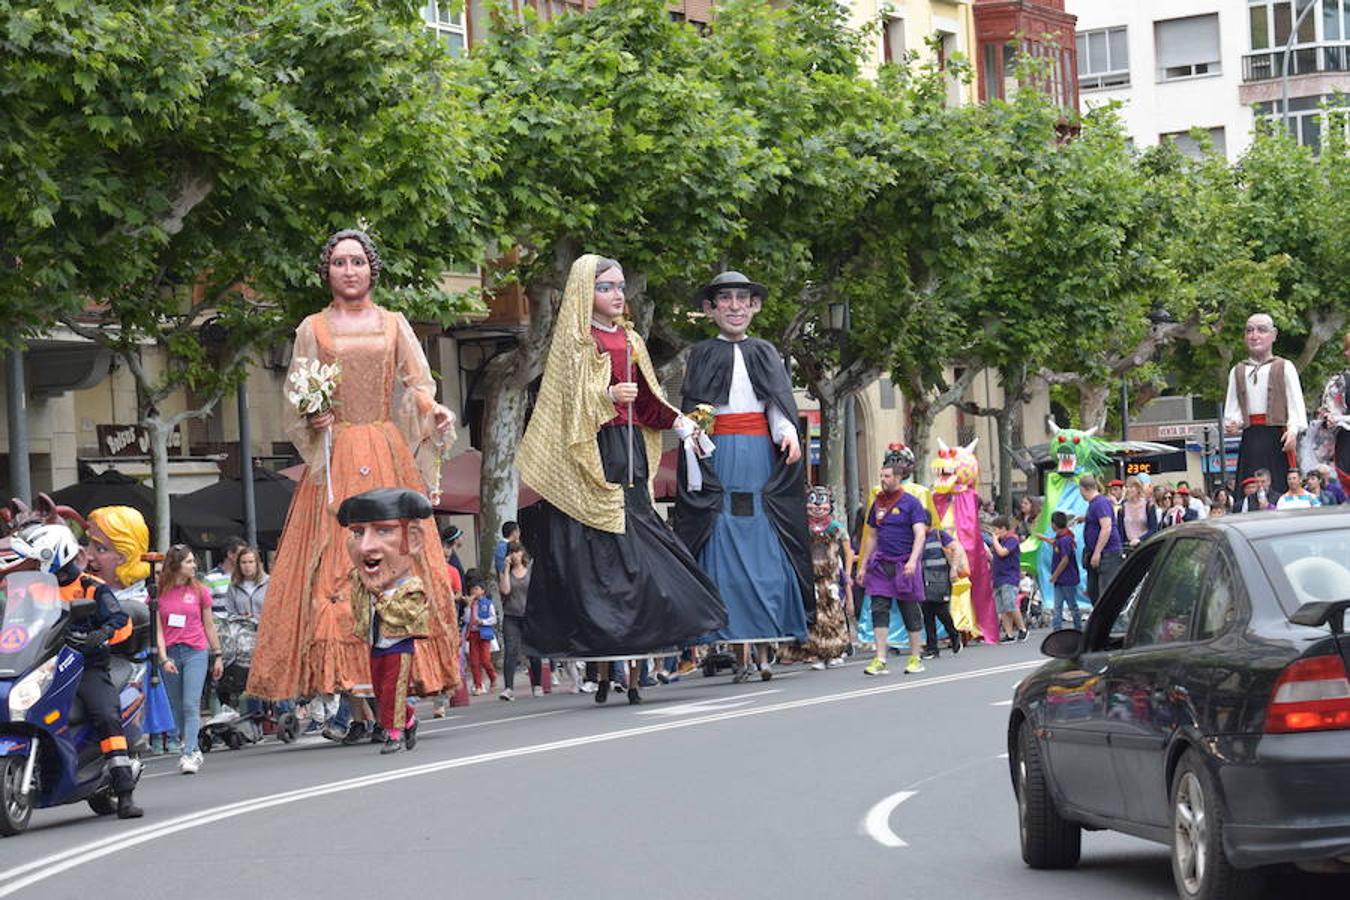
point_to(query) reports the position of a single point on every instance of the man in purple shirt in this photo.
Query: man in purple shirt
(1102, 547)
(890, 568)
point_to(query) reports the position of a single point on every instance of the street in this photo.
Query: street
(815, 784)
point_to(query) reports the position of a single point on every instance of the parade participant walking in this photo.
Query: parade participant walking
(1064, 571)
(514, 583)
(384, 429)
(944, 561)
(742, 510)
(1102, 547)
(482, 631)
(1007, 550)
(889, 563)
(1264, 403)
(831, 554)
(610, 579)
(1335, 413)
(188, 646)
(390, 608)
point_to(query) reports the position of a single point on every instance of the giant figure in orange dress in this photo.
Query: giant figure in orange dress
(385, 430)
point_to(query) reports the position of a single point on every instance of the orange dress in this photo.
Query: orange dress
(384, 407)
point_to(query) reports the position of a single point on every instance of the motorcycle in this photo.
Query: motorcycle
(49, 753)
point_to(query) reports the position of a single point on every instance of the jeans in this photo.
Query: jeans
(185, 691)
(513, 632)
(1066, 595)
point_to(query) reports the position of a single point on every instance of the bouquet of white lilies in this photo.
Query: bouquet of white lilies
(315, 384)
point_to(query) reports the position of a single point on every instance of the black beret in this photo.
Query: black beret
(382, 505)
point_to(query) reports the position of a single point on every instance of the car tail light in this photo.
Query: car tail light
(1311, 694)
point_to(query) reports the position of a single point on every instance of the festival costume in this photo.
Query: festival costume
(746, 521)
(898, 637)
(389, 623)
(956, 498)
(828, 634)
(1265, 398)
(1336, 408)
(610, 579)
(384, 407)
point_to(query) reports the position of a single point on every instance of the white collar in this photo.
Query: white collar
(602, 326)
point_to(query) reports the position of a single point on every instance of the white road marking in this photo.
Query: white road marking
(1001, 703)
(876, 824)
(699, 707)
(27, 874)
(1001, 756)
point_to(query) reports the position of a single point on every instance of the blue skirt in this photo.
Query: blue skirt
(744, 556)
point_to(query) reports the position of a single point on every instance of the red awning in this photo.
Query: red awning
(460, 479)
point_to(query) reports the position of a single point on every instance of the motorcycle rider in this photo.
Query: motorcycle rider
(57, 553)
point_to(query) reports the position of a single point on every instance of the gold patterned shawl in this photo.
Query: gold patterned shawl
(559, 456)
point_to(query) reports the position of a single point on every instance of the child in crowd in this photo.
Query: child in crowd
(1064, 571)
(1007, 550)
(482, 630)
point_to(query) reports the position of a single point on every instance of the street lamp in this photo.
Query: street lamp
(1284, 66)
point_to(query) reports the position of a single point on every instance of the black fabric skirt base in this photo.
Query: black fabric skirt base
(1261, 449)
(1342, 457)
(598, 594)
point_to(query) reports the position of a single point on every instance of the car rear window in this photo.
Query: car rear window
(1308, 566)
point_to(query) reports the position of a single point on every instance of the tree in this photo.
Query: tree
(187, 158)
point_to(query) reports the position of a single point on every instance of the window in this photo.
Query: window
(448, 25)
(1217, 606)
(1187, 48)
(1308, 116)
(887, 390)
(1103, 59)
(1188, 145)
(1165, 617)
(893, 41)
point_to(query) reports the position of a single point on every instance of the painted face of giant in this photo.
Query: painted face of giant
(101, 557)
(608, 299)
(349, 271)
(732, 308)
(383, 551)
(1260, 335)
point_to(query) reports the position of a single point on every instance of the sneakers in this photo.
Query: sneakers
(957, 644)
(835, 663)
(537, 690)
(914, 666)
(589, 687)
(876, 667)
(190, 763)
(929, 654)
(818, 666)
(1022, 634)
(765, 672)
(391, 746)
(1006, 639)
(634, 696)
(507, 695)
(409, 736)
(685, 667)
(313, 727)
(742, 675)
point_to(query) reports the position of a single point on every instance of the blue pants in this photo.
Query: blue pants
(185, 691)
(1066, 595)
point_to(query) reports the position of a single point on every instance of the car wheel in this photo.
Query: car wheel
(1199, 866)
(1049, 841)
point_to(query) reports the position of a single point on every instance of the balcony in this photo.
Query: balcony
(1305, 60)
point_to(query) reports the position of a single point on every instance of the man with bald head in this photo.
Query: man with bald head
(1264, 404)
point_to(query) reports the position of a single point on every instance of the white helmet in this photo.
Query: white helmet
(53, 546)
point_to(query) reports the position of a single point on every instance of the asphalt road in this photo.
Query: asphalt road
(815, 784)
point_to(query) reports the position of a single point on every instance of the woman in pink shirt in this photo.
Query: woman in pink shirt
(186, 635)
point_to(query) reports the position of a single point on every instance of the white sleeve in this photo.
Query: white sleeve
(1293, 391)
(1231, 411)
(682, 427)
(779, 425)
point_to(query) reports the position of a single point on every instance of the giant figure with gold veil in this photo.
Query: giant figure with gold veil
(611, 580)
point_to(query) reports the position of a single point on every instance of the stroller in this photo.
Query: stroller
(1029, 599)
(229, 727)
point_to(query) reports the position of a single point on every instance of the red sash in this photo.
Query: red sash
(742, 423)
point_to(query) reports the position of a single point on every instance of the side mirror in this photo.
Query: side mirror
(1063, 644)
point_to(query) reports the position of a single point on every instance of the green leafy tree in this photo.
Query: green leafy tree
(178, 164)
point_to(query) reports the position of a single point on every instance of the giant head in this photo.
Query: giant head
(957, 469)
(118, 538)
(732, 300)
(1075, 451)
(383, 535)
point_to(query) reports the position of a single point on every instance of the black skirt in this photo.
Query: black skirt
(1342, 457)
(1261, 448)
(594, 593)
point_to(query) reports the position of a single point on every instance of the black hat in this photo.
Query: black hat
(730, 280)
(382, 505)
(451, 533)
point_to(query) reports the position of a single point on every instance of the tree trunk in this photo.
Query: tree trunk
(1092, 398)
(920, 436)
(1005, 457)
(498, 493)
(832, 441)
(159, 471)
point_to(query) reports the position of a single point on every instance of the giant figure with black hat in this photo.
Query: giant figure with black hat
(390, 607)
(742, 508)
